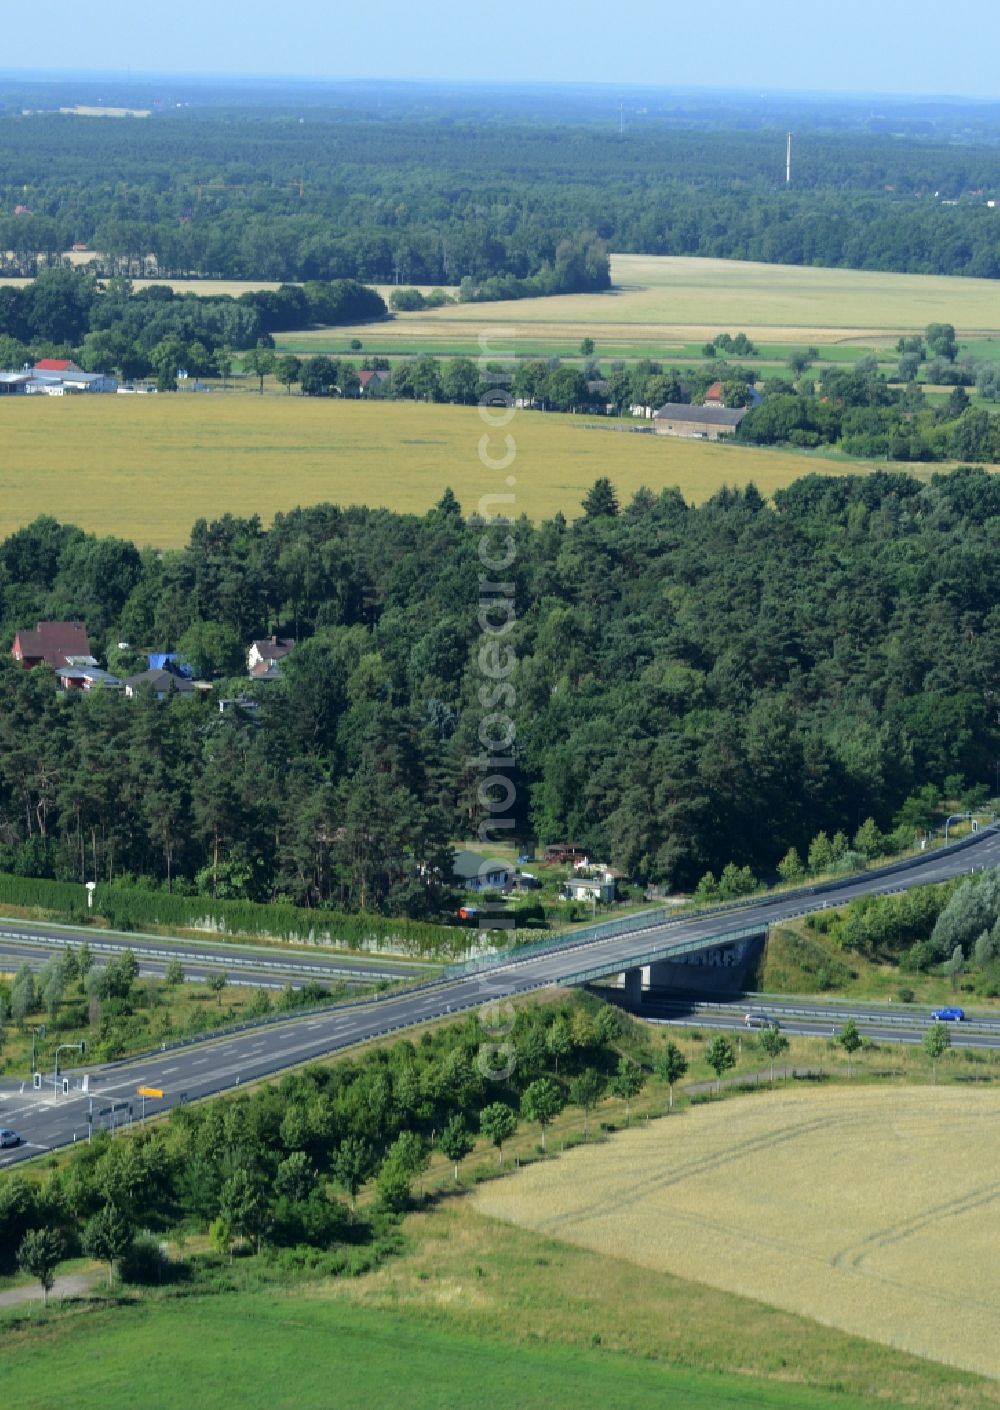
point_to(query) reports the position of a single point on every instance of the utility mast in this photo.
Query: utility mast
(788, 162)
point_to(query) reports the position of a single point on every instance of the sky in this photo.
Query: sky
(914, 47)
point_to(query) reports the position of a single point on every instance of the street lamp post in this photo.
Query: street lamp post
(39, 1030)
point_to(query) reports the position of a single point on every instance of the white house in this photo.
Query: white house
(590, 888)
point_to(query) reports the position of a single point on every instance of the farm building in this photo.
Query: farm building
(373, 383)
(705, 423)
(57, 377)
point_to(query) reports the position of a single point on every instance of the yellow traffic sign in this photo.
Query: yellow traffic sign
(149, 1092)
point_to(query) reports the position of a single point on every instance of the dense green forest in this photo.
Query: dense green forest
(441, 194)
(693, 687)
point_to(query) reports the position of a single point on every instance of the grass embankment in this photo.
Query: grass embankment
(800, 960)
(136, 459)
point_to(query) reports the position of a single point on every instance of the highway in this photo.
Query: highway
(256, 966)
(201, 1068)
(806, 1019)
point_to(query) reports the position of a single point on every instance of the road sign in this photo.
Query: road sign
(149, 1092)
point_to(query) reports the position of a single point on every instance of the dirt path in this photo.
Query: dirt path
(74, 1285)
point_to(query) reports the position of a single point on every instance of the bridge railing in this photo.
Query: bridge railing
(586, 974)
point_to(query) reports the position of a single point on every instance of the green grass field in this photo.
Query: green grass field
(275, 1352)
(145, 468)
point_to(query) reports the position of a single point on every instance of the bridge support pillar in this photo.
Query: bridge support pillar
(633, 986)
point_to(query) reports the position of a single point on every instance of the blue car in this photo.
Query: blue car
(948, 1015)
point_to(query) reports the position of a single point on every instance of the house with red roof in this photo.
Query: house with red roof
(55, 644)
(56, 364)
(373, 383)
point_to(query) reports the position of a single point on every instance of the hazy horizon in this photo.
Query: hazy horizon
(894, 50)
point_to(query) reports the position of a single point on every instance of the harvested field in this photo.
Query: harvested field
(660, 298)
(871, 1209)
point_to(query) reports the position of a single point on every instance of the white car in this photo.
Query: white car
(760, 1020)
(8, 1137)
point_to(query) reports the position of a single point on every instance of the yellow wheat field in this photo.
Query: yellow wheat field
(146, 467)
(876, 1210)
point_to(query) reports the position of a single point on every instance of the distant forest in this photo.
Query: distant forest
(693, 687)
(441, 194)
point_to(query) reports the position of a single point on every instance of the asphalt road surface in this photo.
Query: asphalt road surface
(48, 1119)
(883, 1024)
(256, 966)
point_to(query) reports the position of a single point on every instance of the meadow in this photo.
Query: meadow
(145, 468)
(269, 1351)
(662, 303)
(872, 1209)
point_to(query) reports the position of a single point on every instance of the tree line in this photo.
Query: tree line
(153, 331)
(428, 199)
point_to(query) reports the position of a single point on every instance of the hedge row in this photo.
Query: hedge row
(131, 908)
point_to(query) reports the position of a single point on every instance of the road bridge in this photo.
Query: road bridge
(203, 1068)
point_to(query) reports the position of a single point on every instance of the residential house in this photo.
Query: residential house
(474, 872)
(265, 657)
(705, 423)
(79, 677)
(713, 397)
(590, 888)
(244, 703)
(57, 644)
(162, 681)
(373, 383)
